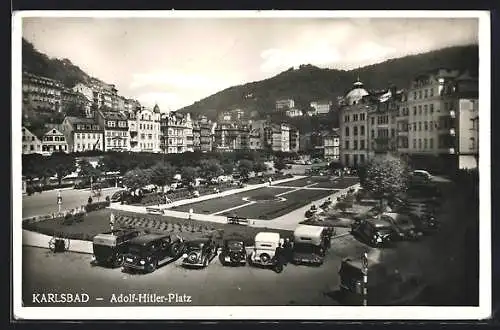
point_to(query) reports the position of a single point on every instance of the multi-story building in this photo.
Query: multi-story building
(31, 142)
(286, 104)
(176, 128)
(353, 122)
(433, 123)
(85, 90)
(54, 141)
(285, 137)
(230, 136)
(382, 122)
(331, 144)
(294, 113)
(294, 139)
(468, 131)
(321, 107)
(116, 133)
(42, 92)
(82, 134)
(203, 132)
(145, 130)
(255, 138)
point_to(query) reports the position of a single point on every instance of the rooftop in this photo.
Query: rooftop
(113, 115)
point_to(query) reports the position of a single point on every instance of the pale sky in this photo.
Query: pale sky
(177, 61)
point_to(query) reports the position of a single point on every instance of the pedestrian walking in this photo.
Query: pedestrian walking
(89, 201)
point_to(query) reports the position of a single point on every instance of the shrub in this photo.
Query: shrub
(96, 206)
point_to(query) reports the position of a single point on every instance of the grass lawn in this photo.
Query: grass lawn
(321, 182)
(223, 203)
(98, 222)
(272, 209)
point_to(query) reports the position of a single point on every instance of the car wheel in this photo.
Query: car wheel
(118, 261)
(222, 257)
(264, 257)
(151, 267)
(278, 268)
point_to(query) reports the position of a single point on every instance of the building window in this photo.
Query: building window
(373, 121)
(414, 111)
(362, 145)
(430, 126)
(355, 117)
(431, 142)
(362, 159)
(415, 127)
(415, 95)
(373, 133)
(111, 123)
(431, 92)
(420, 94)
(419, 109)
(346, 145)
(420, 126)
(419, 143)
(362, 116)
(32, 147)
(414, 143)
(431, 108)
(425, 110)
(472, 144)
(347, 131)
(425, 143)
(346, 118)
(355, 145)
(393, 132)
(355, 131)
(425, 93)
(362, 129)
(425, 126)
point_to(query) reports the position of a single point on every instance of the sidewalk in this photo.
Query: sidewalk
(31, 238)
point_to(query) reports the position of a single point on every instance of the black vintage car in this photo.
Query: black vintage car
(376, 232)
(404, 225)
(147, 252)
(233, 252)
(199, 252)
(117, 196)
(108, 247)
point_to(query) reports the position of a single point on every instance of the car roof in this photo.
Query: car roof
(379, 222)
(307, 230)
(267, 236)
(145, 239)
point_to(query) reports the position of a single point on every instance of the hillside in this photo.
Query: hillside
(40, 64)
(309, 83)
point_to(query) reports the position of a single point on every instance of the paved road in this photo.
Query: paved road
(45, 203)
(216, 285)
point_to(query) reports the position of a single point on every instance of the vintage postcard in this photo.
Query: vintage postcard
(278, 164)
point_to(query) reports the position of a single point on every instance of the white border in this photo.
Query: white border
(281, 312)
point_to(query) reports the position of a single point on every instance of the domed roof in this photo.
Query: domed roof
(356, 93)
(156, 109)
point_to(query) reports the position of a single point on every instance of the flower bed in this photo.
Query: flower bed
(96, 206)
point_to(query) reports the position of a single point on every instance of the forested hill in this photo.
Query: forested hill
(309, 83)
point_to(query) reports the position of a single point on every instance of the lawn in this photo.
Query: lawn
(98, 222)
(321, 182)
(223, 203)
(272, 209)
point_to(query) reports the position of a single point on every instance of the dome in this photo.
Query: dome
(356, 93)
(156, 109)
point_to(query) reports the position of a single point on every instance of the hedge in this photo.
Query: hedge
(96, 206)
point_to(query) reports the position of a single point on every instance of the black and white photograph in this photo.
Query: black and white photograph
(186, 165)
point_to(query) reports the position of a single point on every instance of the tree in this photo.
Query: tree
(188, 174)
(279, 164)
(162, 174)
(34, 166)
(210, 168)
(386, 177)
(259, 167)
(87, 170)
(228, 168)
(244, 167)
(137, 178)
(60, 165)
(75, 109)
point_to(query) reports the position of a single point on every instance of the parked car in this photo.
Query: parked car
(109, 247)
(233, 252)
(310, 244)
(404, 225)
(148, 252)
(199, 252)
(421, 175)
(117, 196)
(265, 249)
(376, 232)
